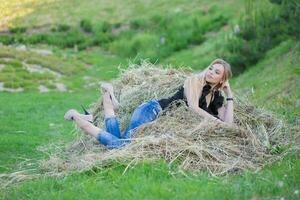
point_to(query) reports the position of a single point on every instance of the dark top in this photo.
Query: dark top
(213, 107)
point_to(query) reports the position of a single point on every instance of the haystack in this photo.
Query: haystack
(179, 135)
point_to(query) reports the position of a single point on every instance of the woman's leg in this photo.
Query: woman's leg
(145, 113)
(111, 122)
(107, 87)
(107, 105)
(104, 137)
(82, 123)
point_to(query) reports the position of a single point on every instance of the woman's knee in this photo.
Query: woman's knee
(110, 141)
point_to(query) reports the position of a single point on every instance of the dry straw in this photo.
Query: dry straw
(179, 136)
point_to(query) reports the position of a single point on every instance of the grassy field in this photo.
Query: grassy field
(32, 125)
(30, 119)
(153, 181)
(116, 11)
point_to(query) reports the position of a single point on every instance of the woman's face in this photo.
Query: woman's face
(214, 74)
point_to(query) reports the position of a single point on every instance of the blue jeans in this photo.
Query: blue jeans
(144, 113)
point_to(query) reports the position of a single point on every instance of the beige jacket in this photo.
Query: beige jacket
(193, 86)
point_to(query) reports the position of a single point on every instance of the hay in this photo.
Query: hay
(178, 136)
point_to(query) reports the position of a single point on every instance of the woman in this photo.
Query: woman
(201, 92)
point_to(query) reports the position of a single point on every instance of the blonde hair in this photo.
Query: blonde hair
(227, 70)
(193, 85)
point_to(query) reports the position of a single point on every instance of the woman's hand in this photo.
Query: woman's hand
(227, 116)
(227, 90)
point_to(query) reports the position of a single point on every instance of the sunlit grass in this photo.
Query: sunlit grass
(13, 9)
(31, 119)
(117, 11)
(15, 75)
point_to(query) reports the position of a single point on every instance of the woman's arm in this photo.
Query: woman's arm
(205, 114)
(226, 112)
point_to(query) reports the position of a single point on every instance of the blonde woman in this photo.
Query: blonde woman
(201, 92)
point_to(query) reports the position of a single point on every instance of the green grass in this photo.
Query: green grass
(273, 83)
(153, 38)
(31, 119)
(153, 181)
(116, 11)
(200, 56)
(95, 63)
(56, 64)
(100, 66)
(13, 75)
(21, 135)
(154, 35)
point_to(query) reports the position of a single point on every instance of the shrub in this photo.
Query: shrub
(63, 39)
(84, 44)
(142, 45)
(37, 38)
(159, 36)
(103, 27)
(183, 30)
(6, 39)
(86, 25)
(18, 30)
(74, 38)
(63, 28)
(290, 15)
(145, 46)
(101, 38)
(139, 23)
(262, 29)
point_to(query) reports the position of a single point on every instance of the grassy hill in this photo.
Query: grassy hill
(33, 13)
(44, 124)
(31, 118)
(272, 83)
